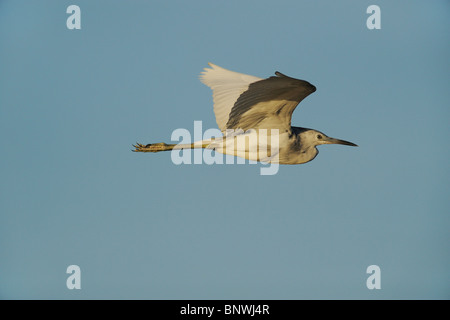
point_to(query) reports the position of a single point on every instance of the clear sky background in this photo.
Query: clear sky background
(71, 191)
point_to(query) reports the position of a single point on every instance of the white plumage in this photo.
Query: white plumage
(227, 86)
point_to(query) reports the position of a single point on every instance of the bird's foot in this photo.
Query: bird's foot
(151, 147)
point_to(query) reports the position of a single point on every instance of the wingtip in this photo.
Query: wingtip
(210, 65)
(204, 73)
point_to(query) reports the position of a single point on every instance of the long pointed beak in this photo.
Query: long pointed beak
(338, 141)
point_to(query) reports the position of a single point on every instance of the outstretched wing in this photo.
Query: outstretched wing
(247, 102)
(227, 86)
(269, 103)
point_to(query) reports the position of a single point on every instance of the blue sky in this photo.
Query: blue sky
(139, 227)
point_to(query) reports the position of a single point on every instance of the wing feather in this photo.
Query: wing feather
(246, 102)
(227, 86)
(269, 103)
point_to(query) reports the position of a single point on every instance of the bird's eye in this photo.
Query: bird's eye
(319, 136)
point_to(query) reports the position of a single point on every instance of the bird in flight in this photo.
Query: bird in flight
(254, 115)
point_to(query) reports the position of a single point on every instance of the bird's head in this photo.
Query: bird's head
(315, 138)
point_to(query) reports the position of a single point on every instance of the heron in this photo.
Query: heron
(247, 106)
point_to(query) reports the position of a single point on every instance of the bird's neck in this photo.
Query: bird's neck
(298, 150)
(307, 151)
(308, 154)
